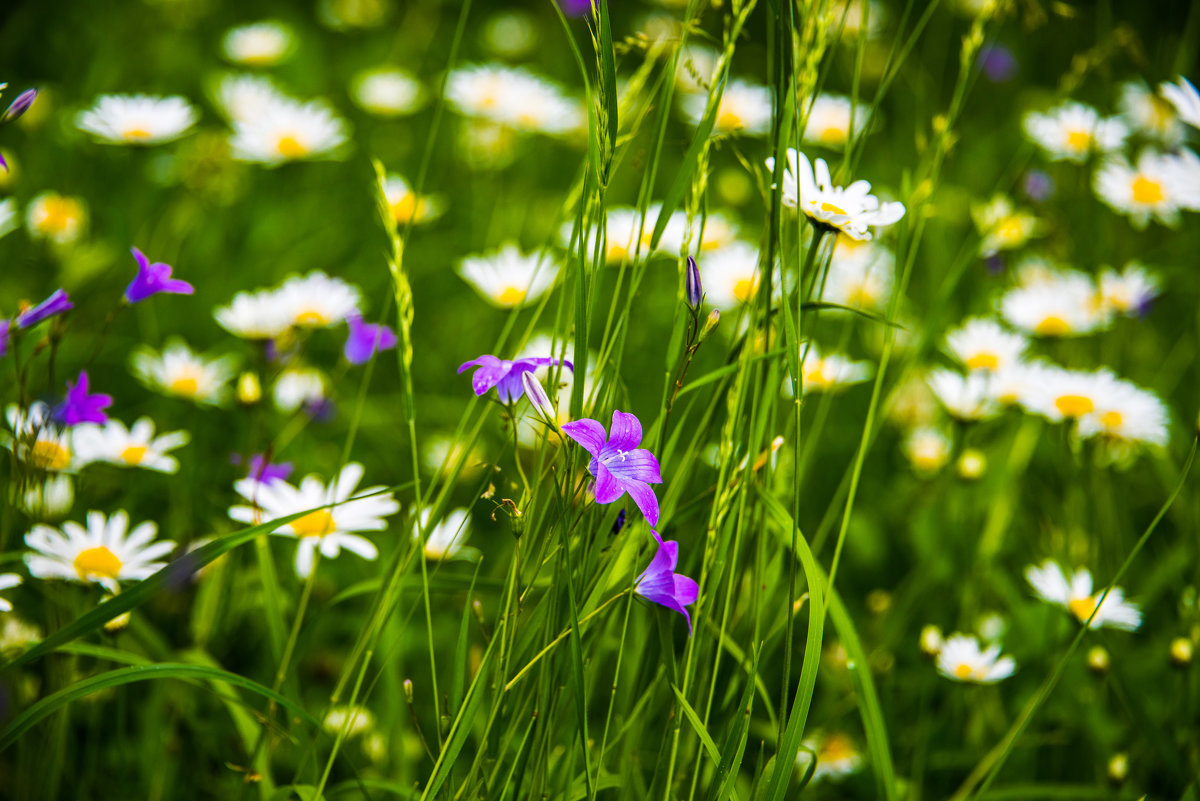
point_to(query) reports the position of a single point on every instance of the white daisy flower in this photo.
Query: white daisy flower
(181, 372)
(104, 553)
(829, 373)
(261, 44)
(680, 233)
(296, 387)
(730, 275)
(38, 441)
(745, 108)
(404, 204)
(508, 278)
(860, 275)
(1184, 97)
(1062, 394)
(1130, 291)
(1151, 189)
(1065, 304)
(514, 98)
(288, 130)
(1152, 115)
(137, 119)
(1124, 414)
(1074, 593)
(255, 315)
(56, 217)
(317, 300)
(49, 499)
(1003, 226)
(1012, 384)
(387, 92)
(852, 209)
(337, 513)
(965, 397)
(927, 449)
(962, 659)
(128, 447)
(7, 582)
(828, 122)
(837, 756)
(445, 540)
(244, 98)
(1073, 131)
(981, 343)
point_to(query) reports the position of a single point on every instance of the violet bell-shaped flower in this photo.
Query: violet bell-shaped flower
(153, 279)
(695, 289)
(618, 464)
(366, 339)
(52, 306)
(661, 584)
(81, 407)
(505, 375)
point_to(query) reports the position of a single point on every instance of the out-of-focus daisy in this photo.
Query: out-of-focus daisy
(261, 44)
(730, 275)
(851, 210)
(337, 513)
(137, 119)
(962, 659)
(56, 217)
(1002, 226)
(830, 372)
(981, 343)
(387, 92)
(255, 315)
(508, 278)
(928, 449)
(745, 108)
(836, 753)
(514, 98)
(37, 440)
(317, 300)
(1151, 189)
(679, 231)
(1062, 394)
(1130, 291)
(445, 540)
(288, 130)
(242, 98)
(965, 397)
(1073, 131)
(1061, 304)
(353, 720)
(1184, 97)
(404, 204)
(828, 122)
(296, 387)
(48, 499)
(7, 582)
(183, 373)
(860, 274)
(1074, 593)
(128, 447)
(106, 552)
(1125, 415)
(10, 217)
(1149, 113)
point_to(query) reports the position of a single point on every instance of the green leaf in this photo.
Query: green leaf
(735, 741)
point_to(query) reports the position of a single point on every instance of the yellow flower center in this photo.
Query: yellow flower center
(816, 375)
(1052, 326)
(291, 148)
(97, 562)
(826, 206)
(983, 361)
(510, 296)
(49, 455)
(1082, 607)
(134, 454)
(58, 214)
(314, 524)
(861, 296)
(744, 288)
(616, 252)
(136, 134)
(1112, 419)
(187, 383)
(1147, 191)
(311, 317)
(728, 119)
(836, 747)
(1011, 232)
(404, 209)
(1079, 141)
(1074, 405)
(963, 671)
(833, 134)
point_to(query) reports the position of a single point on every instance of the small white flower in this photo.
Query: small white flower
(353, 719)
(966, 398)
(244, 98)
(296, 387)
(1129, 291)
(962, 659)
(183, 373)
(50, 499)
(387, 92)
(508, 278)
(287, 130)
(1003, 226)
(7, 582)
(337, 513)
(404, 204)
(837, 756)
(1184, 97)
(514, 98)
(1061, 394)
(828, 122)
(1150, 114)
(983, 344)
(1064, 303)
(137, 119)
(38, 441)
(128, 447)
(56, 217)
(860, 275)
(1074, 593)
(104, 553)
(829, 373)
(445, 540)
(317, 300)
(928, 449)
(261, 44)
(730, 275)
(1073, 131)
(255, 315)
(1154, 188)
(852, 209)
(1124, 414)
(745, 108)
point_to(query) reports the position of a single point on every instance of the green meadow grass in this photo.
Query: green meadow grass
(536, 670)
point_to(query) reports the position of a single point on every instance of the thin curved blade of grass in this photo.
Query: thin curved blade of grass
(735, 742)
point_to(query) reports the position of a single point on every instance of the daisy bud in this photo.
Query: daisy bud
(1118, 768)
(1181, 652)
(971, 464)
(408, 690)
(537, 396)
(714, 317)
(249, 390)
(931, 640)
(695, 290)
(1097, 660)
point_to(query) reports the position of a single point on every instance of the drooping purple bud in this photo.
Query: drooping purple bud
(695, 290)
(153, 279)
(50, 307)
(537, 395)
(19, 106)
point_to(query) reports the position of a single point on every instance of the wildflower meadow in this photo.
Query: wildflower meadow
(575, 400)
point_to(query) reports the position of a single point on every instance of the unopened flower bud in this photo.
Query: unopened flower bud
(931, 640)
(19, 106)
(1181, 651)
(1097, 660)
(249, 390)
(408, 690)
(971, 464)
(537, 395)
(714, 317)
(119, 622)
(1118, 768)
(695, 290)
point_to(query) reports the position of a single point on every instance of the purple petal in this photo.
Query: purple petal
(4, 326)
(588, 433)
(665, 559)
(52, 306)
(608, 486)
(626, 431)
(639, 465)
(490, 371)
(510, 388)
(644, 497)
(366, 339)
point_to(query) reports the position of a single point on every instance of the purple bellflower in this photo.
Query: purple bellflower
(661, 584)
(50, 307)
(366, 339)
(80, 407)
(618, 464)
(504, 375)
(153, 279)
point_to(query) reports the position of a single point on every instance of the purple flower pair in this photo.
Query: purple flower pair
(505, 375)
